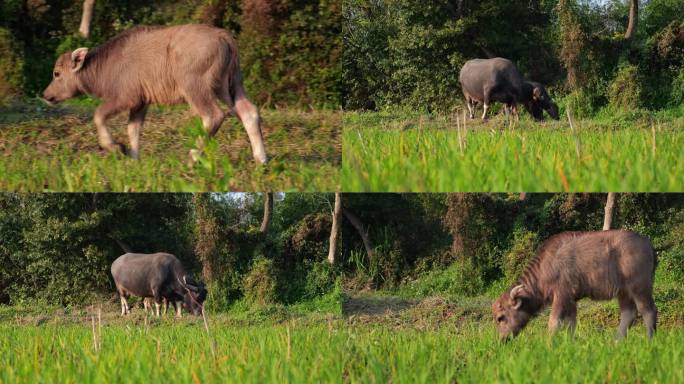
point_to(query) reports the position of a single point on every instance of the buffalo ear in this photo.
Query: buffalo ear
(536, 93)
(78, 58)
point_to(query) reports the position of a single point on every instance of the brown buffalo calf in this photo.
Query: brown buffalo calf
(574, 265)
(197, 64)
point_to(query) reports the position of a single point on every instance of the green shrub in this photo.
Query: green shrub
(625, 90)
(461, 278)
(520, 253)
(677, 90)
(259, 285)
(10, 67)
(320, 279)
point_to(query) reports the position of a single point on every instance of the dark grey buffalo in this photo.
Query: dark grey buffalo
(487, 80)
(197, 64)
(573, 265)
(159, 276)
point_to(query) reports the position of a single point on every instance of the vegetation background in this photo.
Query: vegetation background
(408, 53)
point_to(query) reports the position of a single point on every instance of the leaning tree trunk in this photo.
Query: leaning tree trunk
(335, 229)
(268, 212)
(363, 232)
(608, 211)
(86, 18)
(633, 20)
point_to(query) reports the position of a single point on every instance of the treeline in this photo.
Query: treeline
(289, 49)
(464, 243)
(409, 53)
(58, 248)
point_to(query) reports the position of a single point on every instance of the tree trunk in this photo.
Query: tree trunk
(633, 20)
(363, 232)
(86, 18)
(608, 211)
(335, 229)
(268, 212)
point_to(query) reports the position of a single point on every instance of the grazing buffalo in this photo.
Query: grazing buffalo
(573, 265)
(487, 80)
(197, 64)
(158, 276)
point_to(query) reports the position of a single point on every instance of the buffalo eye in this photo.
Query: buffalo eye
(56, 74)
(501, 319)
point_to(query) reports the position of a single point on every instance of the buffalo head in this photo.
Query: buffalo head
(65, 83)
(511, 313)
(195, 294)
(540, 101)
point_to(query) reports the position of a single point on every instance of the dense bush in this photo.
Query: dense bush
(260, 283)
(10, 67)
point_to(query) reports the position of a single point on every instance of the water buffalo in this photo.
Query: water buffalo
(158, 276)
(497, 79)
(573, 265)
(197, 64)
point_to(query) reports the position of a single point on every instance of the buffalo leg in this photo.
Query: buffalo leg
(124, 305)
(563, 312)
(203, 103)
(647, 308)
(485, 101)
(136, 119)
(627, 314)
(249, 115)
(178, 308)
(102, 113)
(471, 107)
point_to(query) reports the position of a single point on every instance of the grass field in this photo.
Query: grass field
(403, 152)
(56, 149)
(372, 338)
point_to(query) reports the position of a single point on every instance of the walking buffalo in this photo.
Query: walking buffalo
(497, 79)
(573, 265)
(197, 64)
(158, 276)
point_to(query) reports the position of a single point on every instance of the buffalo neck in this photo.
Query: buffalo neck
(94, 79)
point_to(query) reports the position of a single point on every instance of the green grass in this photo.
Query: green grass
(376, 339)
(400, 151)
(55, 149)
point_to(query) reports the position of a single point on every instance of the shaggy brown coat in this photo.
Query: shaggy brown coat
(574, 265)
(197, 64)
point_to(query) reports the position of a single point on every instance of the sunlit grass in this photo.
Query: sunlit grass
(389, 152)
(57, 150)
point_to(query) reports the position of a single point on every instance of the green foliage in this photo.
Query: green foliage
(60, 247)
(520, 253)
(624, 91)
(321, 279)
(260, 283)
(489, 239)
(10, 67)
(408, 53)
(462, 278)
